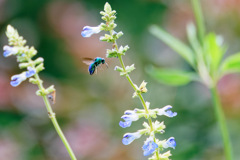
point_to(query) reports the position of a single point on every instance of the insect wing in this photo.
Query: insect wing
(87, 61)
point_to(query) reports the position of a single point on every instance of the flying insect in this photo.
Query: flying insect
(94, 63)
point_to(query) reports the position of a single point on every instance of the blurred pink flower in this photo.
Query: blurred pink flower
(221, 6)
(178, 16)
(229, 90)
(9, 150)
(86, 139)
(5, 90)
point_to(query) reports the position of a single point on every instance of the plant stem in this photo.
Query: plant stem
(222, 123)
(199, 19)
(51, 115)
(139, 95)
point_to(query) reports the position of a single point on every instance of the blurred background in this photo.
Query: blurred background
(89, 108)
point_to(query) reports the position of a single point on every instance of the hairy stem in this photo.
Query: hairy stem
(51, 115)
(139, 95)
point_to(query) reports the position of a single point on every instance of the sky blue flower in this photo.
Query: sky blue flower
(170, 143)
(89, 31)
(166, 111)
(8, 51)
(30, 72)
(130, 137)
(125, 124)
(149, 146)
(18, 78)
(129, 116)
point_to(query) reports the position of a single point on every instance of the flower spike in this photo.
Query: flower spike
(24, 55)
(152, 145)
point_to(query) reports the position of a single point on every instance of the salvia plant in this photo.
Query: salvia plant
(32, 68)
(152, 146)
(205, 56)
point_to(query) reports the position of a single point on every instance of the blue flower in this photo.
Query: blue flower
(30, 72)
(88, 31)
(8, 51)
(166, 111)
(169, 143)
(125, 124)
(130, 137)
(18, 78)
(149, 146)
(129, 116)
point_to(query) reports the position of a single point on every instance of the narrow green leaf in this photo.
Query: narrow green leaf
(172, 77)
(193, 40)
(174, 43)
(231, 64)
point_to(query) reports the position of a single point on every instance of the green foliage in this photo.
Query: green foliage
(204, 58)
(193, 40)
(174, 43)
(214, 51)
(231, 64)
(172, 77)
(208, 51)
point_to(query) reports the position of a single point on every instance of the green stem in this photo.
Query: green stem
(199, 19)
(222, 123)
(139, 95)
(51, 115)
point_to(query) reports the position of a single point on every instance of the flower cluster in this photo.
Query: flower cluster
(152, 146)
(24, 56)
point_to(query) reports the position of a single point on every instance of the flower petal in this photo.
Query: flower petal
(125, 124)
(149, 146)
(8, 51)
(170, 143)
(166, 111)
(130, 137)
(89, 31)
(17, 79)
(30, 72)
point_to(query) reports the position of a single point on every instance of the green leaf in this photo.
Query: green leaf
(174, 43)
(214, 49)
(231, 64)
(172, 77)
